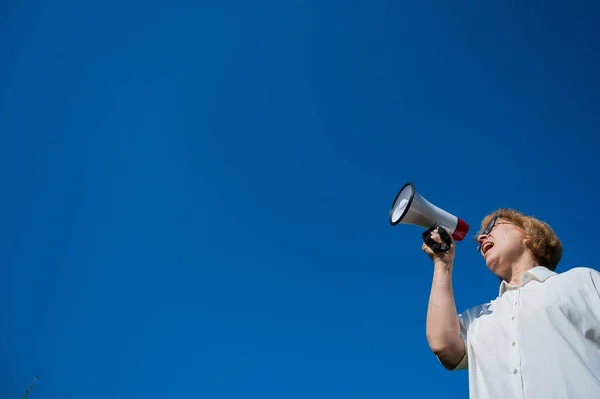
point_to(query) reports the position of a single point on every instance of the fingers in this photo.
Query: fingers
(436, 242)
(437, 237)
(425, 248)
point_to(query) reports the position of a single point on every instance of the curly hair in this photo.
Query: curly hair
(539, 237)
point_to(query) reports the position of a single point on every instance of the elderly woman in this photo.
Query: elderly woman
(540, 337)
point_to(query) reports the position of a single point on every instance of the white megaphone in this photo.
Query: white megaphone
(410, 207)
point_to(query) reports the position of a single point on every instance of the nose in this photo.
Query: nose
(480, 239)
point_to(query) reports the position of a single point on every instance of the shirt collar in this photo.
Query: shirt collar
(538, 273)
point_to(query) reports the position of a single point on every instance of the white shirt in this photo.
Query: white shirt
(538, 340)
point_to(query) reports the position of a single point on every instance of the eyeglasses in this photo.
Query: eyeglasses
(487, 230)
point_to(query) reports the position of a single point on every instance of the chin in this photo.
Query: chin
(494, 272)
(492, 266)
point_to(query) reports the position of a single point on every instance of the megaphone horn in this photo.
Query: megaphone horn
(410, 207)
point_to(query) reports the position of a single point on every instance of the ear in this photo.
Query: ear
(527, 239)
(529, 243)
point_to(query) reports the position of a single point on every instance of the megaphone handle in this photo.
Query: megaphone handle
(436, 246)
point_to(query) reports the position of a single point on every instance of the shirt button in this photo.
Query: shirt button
(512, 318)
(515, 371)
(514, 343)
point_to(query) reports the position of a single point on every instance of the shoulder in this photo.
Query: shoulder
(581, 276)
(579, 272)
(472, 313)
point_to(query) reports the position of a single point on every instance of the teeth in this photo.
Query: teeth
(487, 246)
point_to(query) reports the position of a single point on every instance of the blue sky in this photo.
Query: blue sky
(196, 194)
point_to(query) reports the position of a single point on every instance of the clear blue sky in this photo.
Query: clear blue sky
(195, 196)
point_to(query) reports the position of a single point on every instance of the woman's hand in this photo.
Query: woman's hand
(440, 258)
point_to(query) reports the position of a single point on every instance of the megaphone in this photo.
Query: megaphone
(410, 207)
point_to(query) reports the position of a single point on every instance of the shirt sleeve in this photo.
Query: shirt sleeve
(465, 319)
(595, 276)
(593, 332)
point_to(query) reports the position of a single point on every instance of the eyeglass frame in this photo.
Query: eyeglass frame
(486, 231)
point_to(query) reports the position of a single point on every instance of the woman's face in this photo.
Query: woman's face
(502, 246)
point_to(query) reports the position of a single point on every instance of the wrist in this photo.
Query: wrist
(441, 265)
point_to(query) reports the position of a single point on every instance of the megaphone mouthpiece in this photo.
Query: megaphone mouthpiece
(409, 207)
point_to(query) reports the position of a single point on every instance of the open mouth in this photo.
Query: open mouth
(486, 247)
